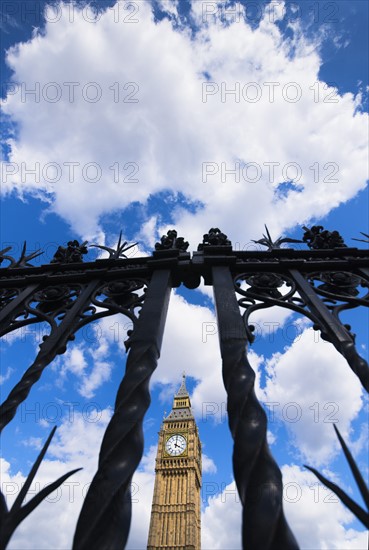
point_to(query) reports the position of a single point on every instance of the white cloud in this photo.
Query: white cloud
(169, 6)
(78, 358)
(148, 233)
(190, 344)
(142, 493)
(166, 68)
(35, 442)
(100, 373)
(304, 390)
(28, 334)
(7, 375)
(221, 521)
(308, 503)
(271, 437)
(208, 465)
(361, 442)
(74, 361)
(169, 134)
(268, 321)
(108, 331)
(76, 445)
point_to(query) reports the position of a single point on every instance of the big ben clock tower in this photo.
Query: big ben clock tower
(175, 514)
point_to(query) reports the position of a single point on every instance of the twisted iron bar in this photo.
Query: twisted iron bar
(21, 390)
(258, 478)
(104, 521)
(105, 517)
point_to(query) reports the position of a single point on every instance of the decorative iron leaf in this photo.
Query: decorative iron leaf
(347, 501)
(12, 518)
(23, 492)
(118, 252)
(272, 245)
(357, 510)
(354, 469)
(366, 240)
(25, 510)
(23, 260)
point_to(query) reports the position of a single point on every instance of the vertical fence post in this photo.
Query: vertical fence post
(258, 478)
(105, 517)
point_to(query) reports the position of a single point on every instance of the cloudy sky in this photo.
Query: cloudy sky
(145, 115)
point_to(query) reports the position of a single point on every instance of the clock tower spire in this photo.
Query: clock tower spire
(175, 514)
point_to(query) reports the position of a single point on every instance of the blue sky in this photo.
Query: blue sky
(143, 116)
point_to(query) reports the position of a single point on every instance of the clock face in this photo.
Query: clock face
(176, 445)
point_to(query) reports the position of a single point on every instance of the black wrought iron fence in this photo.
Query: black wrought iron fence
(67, 294)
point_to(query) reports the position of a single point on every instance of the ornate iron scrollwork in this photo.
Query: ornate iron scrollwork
(118, 296)
(264, 285)
(71, 254)
(319, 238)
(54, 298)
(7, 295)
(48, 305)
(171, 241)
(122, 292)
(339, 285)
(66, 309)
(214, 238)
(265, 289)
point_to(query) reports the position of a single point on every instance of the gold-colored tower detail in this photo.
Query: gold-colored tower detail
(176, 513)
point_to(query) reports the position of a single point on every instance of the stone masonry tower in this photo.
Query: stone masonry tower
(176, 514)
